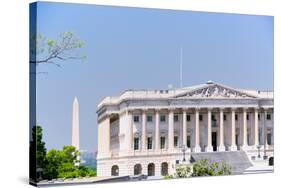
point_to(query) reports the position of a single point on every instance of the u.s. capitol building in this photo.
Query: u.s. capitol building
(147, 131)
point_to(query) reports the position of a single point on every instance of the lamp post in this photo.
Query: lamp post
(259, 154)
(183, 151)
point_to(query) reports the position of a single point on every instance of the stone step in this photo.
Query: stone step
(238, 160)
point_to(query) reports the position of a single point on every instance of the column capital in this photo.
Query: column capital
(210, 108)
(171, 109)
(197, 109)
(184, 109)
(144, 110)
(222, 108)
(245, 109)
(265, 108)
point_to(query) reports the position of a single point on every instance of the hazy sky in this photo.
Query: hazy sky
(140, 48)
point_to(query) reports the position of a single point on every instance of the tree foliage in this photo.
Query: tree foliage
(183, 171)
(53, 51)
(61, 164)
(37, 153)
(205, 168)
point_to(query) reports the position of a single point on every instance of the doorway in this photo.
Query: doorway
(214, 141)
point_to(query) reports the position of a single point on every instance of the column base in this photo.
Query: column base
(221, 148)
(209, 149)
(244, 147)
(197, 149)
(233, 148)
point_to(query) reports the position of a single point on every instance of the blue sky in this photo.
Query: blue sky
(140, 48)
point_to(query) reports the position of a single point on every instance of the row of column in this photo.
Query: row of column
(197, 148)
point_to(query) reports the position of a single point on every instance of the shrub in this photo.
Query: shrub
(205, 168)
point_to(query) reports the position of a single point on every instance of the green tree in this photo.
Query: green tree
(53, 51)
(205, 168)
(37, 153)
(62, 164)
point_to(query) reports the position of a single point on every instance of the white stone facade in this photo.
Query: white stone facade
(144, 131)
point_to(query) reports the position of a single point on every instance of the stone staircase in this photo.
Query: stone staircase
(238, 160)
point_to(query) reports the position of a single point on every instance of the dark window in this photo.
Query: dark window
(268, 116)
(177, 161)
(187, 117)
(176, 118)
(200, 117)
(259, 117)
(162, 142)
(149, 143)
(136, 118)
(136, 143)
(162, 118)
(213, 118)
(114, 170)
(188, 141)
(236, 117)
(247, 116)
(269, 139)
(149, 118)
(224, 117)
(175, 141)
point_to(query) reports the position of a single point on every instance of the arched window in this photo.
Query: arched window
(164, 169)
(137, 169)
(151, 169)
(114, 170)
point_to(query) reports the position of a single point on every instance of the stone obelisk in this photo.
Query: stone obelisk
(75, 124)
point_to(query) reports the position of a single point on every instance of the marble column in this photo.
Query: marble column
(184, 128)
(233, 146)
(130, 131)
(256, 129)
(244, 130)
(209, 147)
(143, 135)
(171, 130)
(157, 130)
(221, 146)
(197, 147)
(264, 129)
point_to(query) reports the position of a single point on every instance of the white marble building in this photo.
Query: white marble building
(144, 131)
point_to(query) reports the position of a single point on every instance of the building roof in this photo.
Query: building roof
(208, 90)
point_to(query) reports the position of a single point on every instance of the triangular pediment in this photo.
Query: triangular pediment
(214, 90)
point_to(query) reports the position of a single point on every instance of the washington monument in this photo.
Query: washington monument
(75, 124)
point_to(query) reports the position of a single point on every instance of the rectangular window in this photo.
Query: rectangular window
(187, 117)
(259, 117)
(200, 117)
(149, 118)
(149, 143)
(224, 117)
(236, 117)
(136, 119)
(268, 116)
(136, 143)
(175, 141)
(176, 118)
(162, 118)
(177, 161)
(213, 118)
(162, 142)
(188, 141)
(247, 116)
